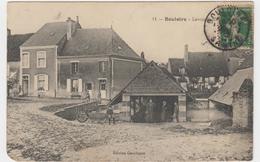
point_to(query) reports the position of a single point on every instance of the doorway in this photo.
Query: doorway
(102, 88)
(138, 108)
(88, 88)
(25, 85)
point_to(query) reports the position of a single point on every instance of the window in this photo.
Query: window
(102, 66)
(74, 67)
(25, 60)
(75, 85)
(41, 82)
(89, 86)
(102, 84)
(41, 59)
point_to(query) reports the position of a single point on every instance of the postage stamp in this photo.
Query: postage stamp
(228, 27)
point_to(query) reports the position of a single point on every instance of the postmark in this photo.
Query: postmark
(228, 27)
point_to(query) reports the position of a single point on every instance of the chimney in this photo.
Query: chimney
(142, 55)
(69, 28)
(8, 32)
(77, 19)
(186, 52)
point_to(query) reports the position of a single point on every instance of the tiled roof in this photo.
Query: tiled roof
(13, 45)
(153, 79)
(248, 62)
(48, 34)
(239, 53)
(97, 42)
(206, 64)
(225, 93)
(175, 64)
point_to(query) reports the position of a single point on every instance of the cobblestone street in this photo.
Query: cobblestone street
(33, 134)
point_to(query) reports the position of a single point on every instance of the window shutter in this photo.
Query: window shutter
(46, 85)
(105, 66)
(35, 83)
(68, 85)
(100, 66)
(80, 85)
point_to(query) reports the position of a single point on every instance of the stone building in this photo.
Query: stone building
(152, 83)
(63, 60)
(235, 98)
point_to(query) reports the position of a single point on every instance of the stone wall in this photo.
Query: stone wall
(182, 108)
(198, 110)
(219, 111)
(242, 109)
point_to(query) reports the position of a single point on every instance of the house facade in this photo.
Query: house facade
(13, 61)
(63, 60)
(235, 98)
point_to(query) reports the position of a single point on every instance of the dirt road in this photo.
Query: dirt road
(38, 135)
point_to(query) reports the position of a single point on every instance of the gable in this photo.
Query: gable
(153, 80)
(225, 93)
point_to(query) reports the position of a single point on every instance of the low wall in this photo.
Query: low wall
(198, 110)
(122, 111)
(219, 111)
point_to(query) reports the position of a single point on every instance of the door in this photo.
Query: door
(25, 85)
(74, 87)
(102, 88)
(88, 88)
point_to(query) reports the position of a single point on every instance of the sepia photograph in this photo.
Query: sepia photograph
(130, 81)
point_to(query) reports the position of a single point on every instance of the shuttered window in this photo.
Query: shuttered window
(41, 82)
(102, 66)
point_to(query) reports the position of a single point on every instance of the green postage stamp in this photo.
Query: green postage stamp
(229, 27)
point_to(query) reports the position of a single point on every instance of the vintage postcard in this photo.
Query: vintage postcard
(130, 81)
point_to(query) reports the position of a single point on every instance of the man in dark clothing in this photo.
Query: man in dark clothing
(164, 111)
(149, 111)
(176, 112)
(110, 114)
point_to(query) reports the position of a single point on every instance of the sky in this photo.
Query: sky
(134, 22)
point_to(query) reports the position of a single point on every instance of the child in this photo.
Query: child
(110, 115)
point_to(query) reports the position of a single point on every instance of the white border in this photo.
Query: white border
(3, 85)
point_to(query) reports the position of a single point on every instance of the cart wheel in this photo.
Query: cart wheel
(82, 117)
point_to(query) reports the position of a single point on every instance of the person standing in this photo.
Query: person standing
(110, 114)
(164, 111)
(149, 111)
(176, 112)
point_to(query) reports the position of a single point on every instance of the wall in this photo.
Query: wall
(123, 71)
(198, 110)
(242, 109)
(50, 70)
(182, 108)
(219, 111)
(88, 72)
